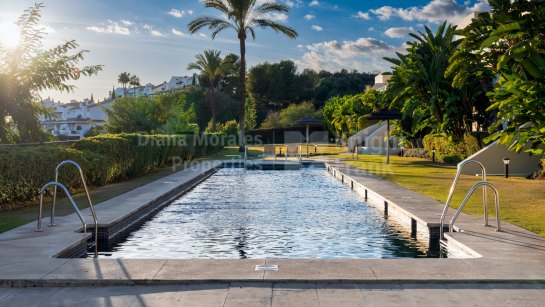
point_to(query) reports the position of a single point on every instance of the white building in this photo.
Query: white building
(175, 83)
(381, 82)
(75, 119)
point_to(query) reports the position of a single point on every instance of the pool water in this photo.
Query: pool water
(239, 213)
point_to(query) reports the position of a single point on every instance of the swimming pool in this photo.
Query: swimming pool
(237, 214)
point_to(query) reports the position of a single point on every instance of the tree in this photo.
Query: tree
(134, 80)
(274, 85)
(26, 70)
(168, 113)
(212, 68)
(424, 92)
(287, 116)
(509, 43)
(242, 16)
(124, 78)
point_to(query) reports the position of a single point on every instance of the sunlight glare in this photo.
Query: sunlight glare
(10, 34)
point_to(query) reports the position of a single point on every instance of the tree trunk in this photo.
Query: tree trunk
(242, 109)
(213, 107)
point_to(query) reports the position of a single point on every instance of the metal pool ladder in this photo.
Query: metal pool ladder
(78, 212)
(484, 183)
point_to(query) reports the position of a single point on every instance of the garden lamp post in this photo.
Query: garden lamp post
(433, 155)
(402, 148)
(506, 163)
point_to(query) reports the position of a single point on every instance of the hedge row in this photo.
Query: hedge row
(104, 159)
(449, 151)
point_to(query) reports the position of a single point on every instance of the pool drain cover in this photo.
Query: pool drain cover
(266, 267)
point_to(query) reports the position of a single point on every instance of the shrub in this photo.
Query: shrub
(104, 159)
(442, 145)
(541, 173)
(415, 153)
(472, 144)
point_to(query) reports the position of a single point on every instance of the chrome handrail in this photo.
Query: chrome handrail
(460, 167)
(496, 198)
(91, 207)
(42, 191)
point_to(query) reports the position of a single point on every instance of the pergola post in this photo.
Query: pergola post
(387, 141)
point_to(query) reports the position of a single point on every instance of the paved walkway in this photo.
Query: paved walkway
(274, 294)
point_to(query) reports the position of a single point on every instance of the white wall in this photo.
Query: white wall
(492, 158)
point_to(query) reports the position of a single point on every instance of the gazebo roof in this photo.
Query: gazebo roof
(308, 121)
(385, 114)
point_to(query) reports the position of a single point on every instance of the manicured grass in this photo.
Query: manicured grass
(522, 201)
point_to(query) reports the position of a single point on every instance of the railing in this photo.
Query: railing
(52, 220)
(461, 165)
(497, 202)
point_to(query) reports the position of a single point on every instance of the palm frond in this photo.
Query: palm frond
(219, 5)
(267, 23)
(271, 7)
(206, 21)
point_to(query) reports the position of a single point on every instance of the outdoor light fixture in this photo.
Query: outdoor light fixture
(433, 155)
(315, 148)
(506, 163)
(402, 148)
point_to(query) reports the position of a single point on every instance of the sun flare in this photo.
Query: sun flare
(10, 34)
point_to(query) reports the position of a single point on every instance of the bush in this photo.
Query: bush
(415, 153)
(472, 144)
(104, 159)
(541, 173)
(449, 151)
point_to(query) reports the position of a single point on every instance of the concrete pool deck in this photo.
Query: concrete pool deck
(511, 256)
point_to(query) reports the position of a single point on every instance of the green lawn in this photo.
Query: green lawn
(522, 201)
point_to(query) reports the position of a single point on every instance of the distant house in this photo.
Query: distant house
(75, 119)
(381, 82)
(175, 83)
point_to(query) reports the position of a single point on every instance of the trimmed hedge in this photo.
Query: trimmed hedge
(449, 151)
(104, 159)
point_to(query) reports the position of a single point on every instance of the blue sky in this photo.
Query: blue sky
(150, 38)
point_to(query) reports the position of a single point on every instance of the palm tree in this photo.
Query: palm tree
(124, 78)
(213, 68)
(134, 80)
(242, 16)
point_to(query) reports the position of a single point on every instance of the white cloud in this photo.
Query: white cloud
(280, 17)
(178, 33)
(179, 13)
(363, 54)
(156, 33)
(126, 22)
(203, 35)
(314, 3)
(309, 17)
(316, 28)
(362, 15)
(400, 32)
(435, 11)
(152, 31)
(111, 27)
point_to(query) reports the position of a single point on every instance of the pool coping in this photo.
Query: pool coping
(26, 257)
